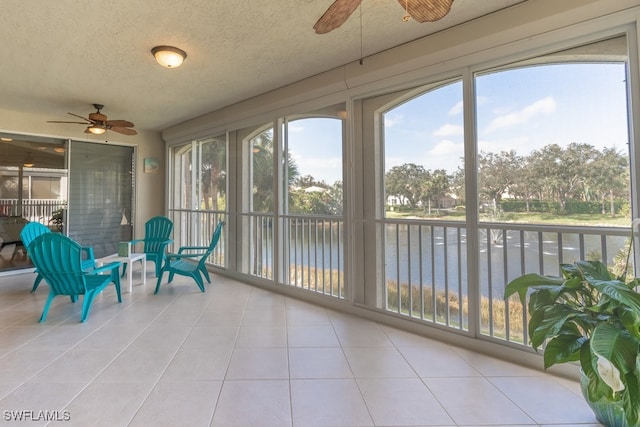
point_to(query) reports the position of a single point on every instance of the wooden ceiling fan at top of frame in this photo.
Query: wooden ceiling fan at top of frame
(420, 10)
(98, 124)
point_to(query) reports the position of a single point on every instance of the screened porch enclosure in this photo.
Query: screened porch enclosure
(422, 203)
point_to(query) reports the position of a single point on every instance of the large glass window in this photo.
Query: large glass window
(553, 140)
(423, 156)
(314, 168)
(552, 151)
(261, 153)
(199, 193)
(424, 237)
(313, 246)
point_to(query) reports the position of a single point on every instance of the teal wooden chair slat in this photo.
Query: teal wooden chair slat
(35, 229)
(59, 260)
(157, 235)
(191, 261)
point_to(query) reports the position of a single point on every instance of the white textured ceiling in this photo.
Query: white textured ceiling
(60, 56)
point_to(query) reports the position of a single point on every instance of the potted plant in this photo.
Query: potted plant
(592, 317)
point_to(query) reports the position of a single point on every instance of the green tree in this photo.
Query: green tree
(262, 171)
(214, 159)
(496, 174)
(609, 178)
(435, 186)
(562, 172)
(406, 183)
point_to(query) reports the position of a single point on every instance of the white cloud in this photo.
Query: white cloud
(295, 128)
(521, 144)
(449, 130)
(543, 106)
(445, 155)
(327, 169)
(390, 121)
(456, 109)
(447, 148)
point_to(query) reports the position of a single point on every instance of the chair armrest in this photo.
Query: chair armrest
(89, 252)
(180, 256)
(192, 248)
(111, 266)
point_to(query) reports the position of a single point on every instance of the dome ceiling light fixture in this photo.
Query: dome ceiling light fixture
(28, 161)
(96, 129)
(169, 56)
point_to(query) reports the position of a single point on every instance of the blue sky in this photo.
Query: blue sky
(522, 109)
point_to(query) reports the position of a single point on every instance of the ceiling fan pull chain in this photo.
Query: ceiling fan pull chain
(361, 54)
(406, 16)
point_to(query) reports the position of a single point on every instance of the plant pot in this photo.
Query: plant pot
(610, 413)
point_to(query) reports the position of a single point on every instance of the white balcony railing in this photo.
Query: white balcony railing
(38, 210)
(430, 274)
(427, 267)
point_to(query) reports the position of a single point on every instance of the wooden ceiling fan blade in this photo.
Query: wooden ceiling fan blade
(124, 130)
(336, 15)
(59, 121)
(80, 117)
(426, 10)
(119, 123)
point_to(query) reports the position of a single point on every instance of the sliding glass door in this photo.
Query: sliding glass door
(33, 187)
(100, 195)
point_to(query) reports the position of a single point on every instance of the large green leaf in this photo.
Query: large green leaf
(574, 283)
(630, 319)
(569, 270)
(521, 285)
(534, 322)
(595, 269)
(563, 348)
(617, 345)
(540, 300)
(631, 397)
(555, 322)
(618, 291)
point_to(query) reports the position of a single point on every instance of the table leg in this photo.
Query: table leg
(144, 270)
(130, 277)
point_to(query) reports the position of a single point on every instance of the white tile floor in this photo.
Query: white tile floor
(242, 356)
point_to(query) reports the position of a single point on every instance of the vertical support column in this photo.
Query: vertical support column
(471, 201)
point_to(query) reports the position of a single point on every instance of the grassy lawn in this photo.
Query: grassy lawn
(519, 217)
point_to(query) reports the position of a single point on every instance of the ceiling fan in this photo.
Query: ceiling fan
(420, 10)
(98, 124)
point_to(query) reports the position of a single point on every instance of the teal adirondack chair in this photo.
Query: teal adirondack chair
(191, 264)
(59, 260)
(35, 229)
(157, 233)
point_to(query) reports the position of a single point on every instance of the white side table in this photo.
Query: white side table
(133, 257)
